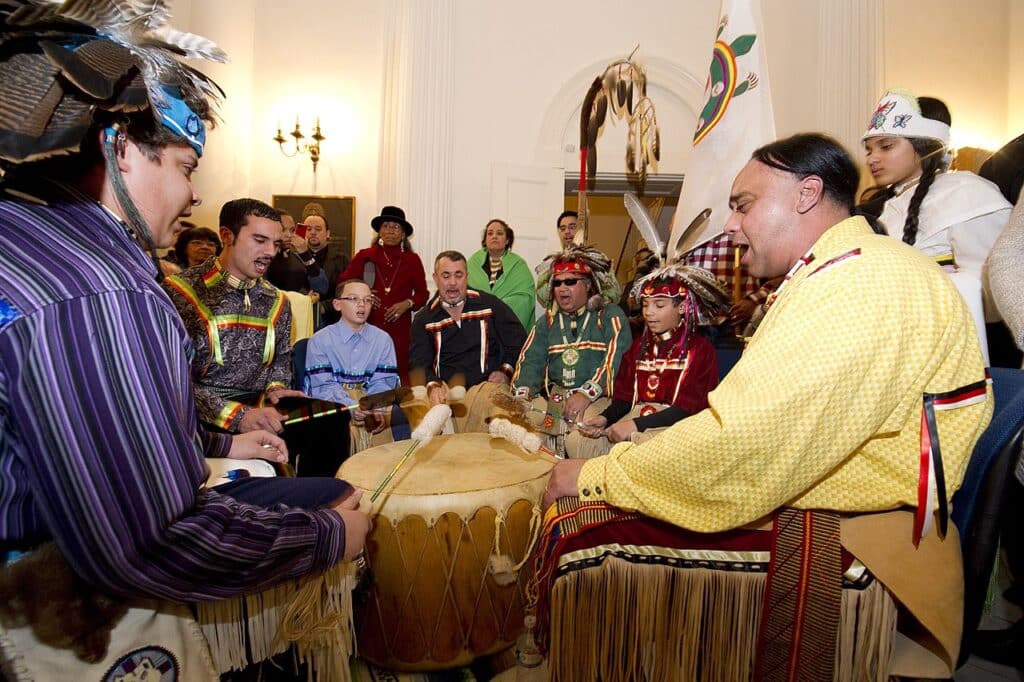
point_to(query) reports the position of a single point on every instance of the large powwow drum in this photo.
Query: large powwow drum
(447, 553)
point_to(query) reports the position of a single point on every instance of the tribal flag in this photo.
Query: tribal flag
(737, 119)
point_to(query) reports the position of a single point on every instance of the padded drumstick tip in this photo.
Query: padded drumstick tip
(433, 423)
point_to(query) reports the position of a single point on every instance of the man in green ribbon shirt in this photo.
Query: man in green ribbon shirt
(569, 362)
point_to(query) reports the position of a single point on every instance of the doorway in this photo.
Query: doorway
(610, 228)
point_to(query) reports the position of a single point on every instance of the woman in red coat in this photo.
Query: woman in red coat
(396, 276)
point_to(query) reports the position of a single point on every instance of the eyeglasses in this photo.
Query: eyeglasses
(570, 282)
(367, 300)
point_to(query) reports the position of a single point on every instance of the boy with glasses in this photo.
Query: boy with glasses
(351, 358)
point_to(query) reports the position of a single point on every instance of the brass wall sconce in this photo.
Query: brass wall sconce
(311, 148)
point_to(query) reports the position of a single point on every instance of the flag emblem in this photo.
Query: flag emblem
(722, 83)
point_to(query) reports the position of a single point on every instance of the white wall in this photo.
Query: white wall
(959, 52)
(319, 58)
(519, 64)
(226, 170)
(1015, 71)
(307, 58)
(791, 37)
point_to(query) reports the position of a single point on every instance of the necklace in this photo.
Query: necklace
(494, 270)
(660, 363)
(571, 355)
(393, 267)
(243, 285)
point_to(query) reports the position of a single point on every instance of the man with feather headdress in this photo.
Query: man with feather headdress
(571, 355)
(101, 452)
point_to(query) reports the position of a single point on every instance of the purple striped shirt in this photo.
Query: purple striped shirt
(100, 447)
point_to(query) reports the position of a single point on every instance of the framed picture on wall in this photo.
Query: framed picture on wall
(339, 211)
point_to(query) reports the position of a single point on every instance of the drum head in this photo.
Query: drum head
(459, 463)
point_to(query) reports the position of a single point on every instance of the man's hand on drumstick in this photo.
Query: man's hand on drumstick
(274, 395)
(372, 421)
(258, 445)
(575, 405)
(437, 394)
(357, 524)
(621, 431)
(497, 377)
(564, 481)
(262, 418)
(592, 427)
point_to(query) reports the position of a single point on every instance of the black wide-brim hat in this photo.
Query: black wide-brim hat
(392, 214)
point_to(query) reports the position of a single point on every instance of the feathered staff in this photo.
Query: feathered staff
(622, 88)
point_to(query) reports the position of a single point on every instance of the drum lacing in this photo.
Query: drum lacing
(535, 527)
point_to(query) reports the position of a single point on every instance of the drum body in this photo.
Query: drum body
(436, 599)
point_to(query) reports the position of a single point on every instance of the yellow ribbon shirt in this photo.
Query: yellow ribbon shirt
(823, 411)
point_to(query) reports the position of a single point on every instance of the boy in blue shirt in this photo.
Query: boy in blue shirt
(351, 358)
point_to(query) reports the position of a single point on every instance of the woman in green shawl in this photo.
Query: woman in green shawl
(496, 270)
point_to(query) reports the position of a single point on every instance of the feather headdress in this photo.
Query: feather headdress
(594, 264)
(62, 61)
(674, 279)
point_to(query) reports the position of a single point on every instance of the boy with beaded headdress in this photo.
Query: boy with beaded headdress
(669, 370)
(570, 358)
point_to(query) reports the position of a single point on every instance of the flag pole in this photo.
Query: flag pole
(737, 283)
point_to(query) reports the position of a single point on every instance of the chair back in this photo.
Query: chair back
(728, 349)
(299, 363)
(303, 318)
(977, 505)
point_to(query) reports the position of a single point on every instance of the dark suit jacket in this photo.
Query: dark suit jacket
(334, 262)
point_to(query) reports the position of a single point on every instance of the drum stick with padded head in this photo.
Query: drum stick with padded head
(299, 409)
(432, 424)
(518, 407)
(518, 435)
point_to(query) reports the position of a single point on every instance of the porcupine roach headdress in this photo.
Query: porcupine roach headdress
(700, 289)
(583, 260)
(62, 63)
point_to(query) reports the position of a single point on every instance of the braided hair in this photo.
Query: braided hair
(933, 162)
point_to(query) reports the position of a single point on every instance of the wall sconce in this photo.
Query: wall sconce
(312, 148)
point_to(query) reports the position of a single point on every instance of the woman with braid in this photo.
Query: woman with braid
(952, 217)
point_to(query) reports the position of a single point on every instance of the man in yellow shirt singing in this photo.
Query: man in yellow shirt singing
(865, 358)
